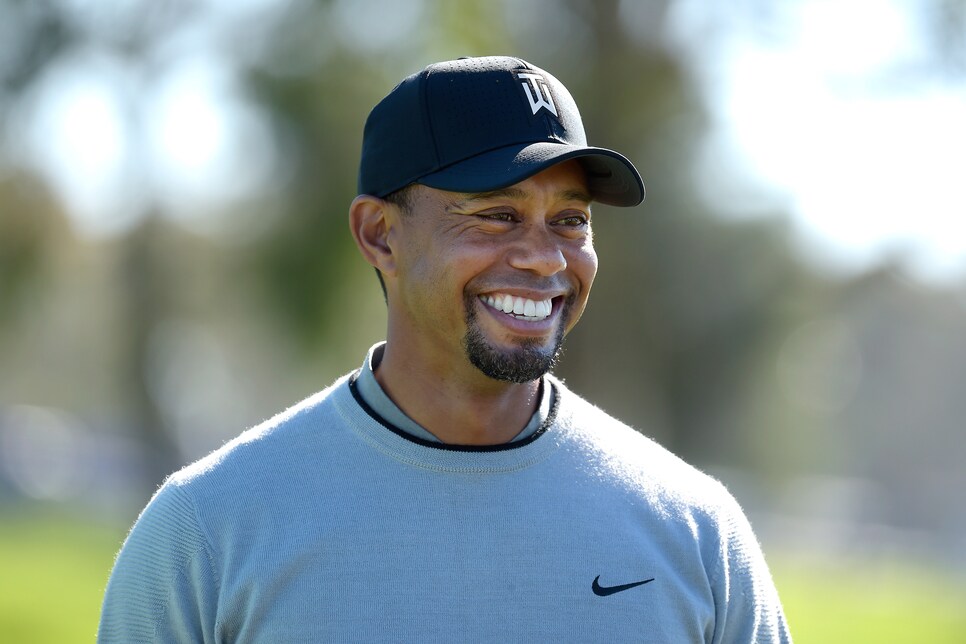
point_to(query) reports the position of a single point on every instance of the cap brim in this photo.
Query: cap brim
(611, 178)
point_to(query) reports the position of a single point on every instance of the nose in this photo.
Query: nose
(538, 251)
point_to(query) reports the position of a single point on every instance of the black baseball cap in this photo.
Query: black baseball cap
(480, 124)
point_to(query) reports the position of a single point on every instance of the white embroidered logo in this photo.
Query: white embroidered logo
(540, 94)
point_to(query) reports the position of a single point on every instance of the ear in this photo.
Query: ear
(371, 221)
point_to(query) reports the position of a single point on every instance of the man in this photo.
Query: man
(452, 489)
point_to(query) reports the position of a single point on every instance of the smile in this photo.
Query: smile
(519, 307)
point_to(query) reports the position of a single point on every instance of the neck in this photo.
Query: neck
(467, 408)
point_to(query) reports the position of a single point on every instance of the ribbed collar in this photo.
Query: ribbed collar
(432, 454)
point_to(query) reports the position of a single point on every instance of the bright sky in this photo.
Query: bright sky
(205, 146)
(809, 117)
(870, 160)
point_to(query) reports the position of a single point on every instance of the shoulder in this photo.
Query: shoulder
(249, 475)
(686, 504)
(692, 506)
(165, 559)
(175, 550)
(622, 453)
(276, 441)
(198, 503)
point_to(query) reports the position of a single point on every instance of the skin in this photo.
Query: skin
(532, 240)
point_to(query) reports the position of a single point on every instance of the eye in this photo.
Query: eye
(574, 220)
(497, 216)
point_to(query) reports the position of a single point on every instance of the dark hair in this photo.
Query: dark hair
(402, 199)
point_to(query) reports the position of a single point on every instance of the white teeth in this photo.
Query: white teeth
(519, 306)
(507, 304)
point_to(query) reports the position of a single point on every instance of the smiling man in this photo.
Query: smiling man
(451, 489)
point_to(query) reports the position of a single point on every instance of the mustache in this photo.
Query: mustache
(550, 284)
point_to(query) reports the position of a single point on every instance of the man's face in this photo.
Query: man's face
(494, 280)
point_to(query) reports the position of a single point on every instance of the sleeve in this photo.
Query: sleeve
(164, 586)
(747, 606)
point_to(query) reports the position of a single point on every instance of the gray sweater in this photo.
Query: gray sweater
(329, 523)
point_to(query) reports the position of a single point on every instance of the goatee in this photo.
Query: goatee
(526, 362)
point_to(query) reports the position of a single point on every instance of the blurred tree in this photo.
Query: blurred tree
(34, 34)
(684, 302)
(300, 263)
(30, 227)
(945, 26)
(147, 294)
(38, 35)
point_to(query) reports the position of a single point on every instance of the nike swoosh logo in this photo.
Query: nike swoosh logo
(604, 591)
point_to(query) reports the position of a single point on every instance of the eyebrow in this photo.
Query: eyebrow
(516, 193)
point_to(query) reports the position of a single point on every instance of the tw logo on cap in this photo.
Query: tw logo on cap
(538, 93)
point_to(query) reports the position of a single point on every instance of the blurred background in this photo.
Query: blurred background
(787, 310)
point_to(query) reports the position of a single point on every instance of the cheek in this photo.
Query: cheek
(435, 283)
(585, 266)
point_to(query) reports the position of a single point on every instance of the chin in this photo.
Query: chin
(529, 360)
